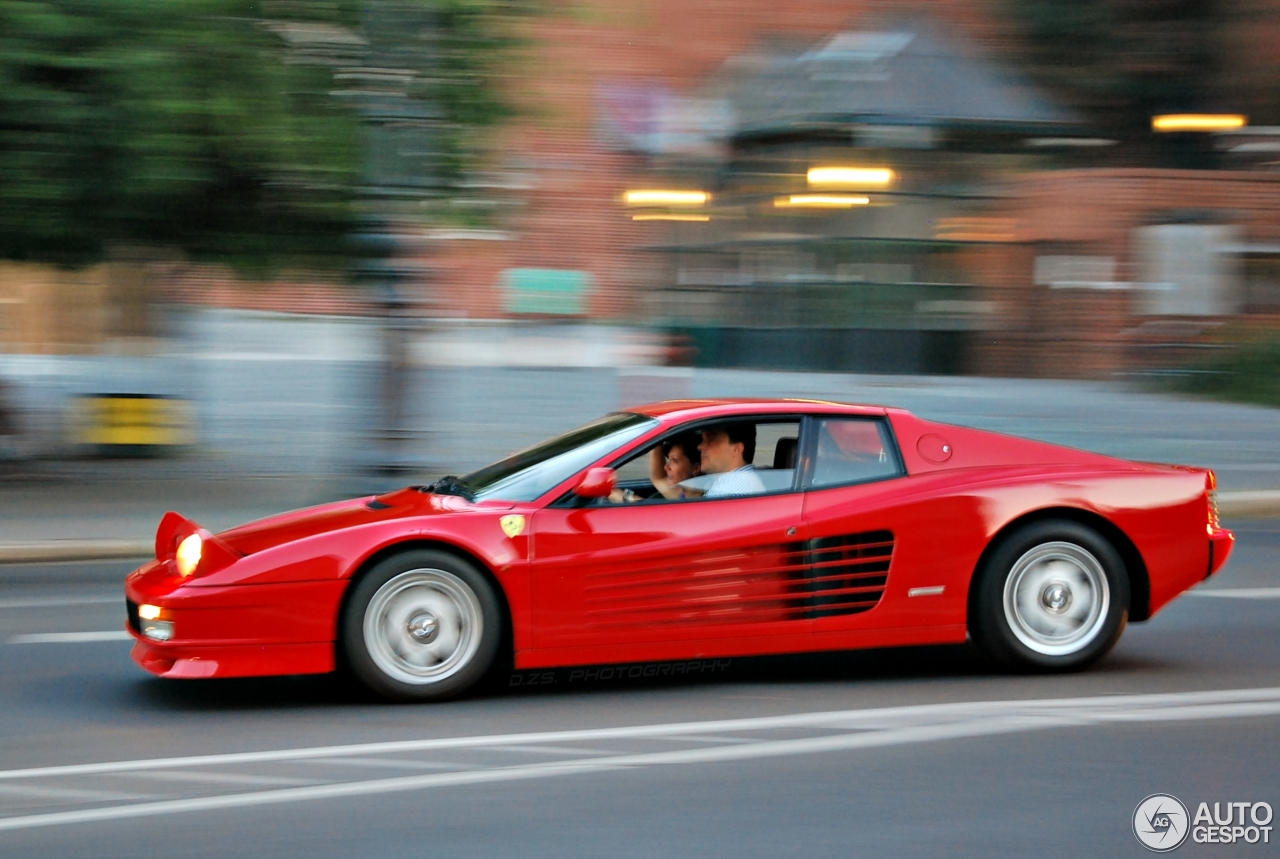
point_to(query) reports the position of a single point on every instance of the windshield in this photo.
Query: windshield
(526, 475)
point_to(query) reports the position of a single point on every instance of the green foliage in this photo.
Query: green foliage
(1249, 372)
(212, 126)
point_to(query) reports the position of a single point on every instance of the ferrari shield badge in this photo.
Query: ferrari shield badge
(512, 525)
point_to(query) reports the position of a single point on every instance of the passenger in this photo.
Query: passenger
(671, 463)
(728, 450)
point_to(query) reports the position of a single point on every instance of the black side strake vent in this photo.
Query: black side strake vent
(847, 574)
(375, 504)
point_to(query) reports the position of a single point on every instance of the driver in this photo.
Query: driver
(727, 450)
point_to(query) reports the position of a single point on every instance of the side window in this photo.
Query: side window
(775, 456)
(768, 446)
(852, 450)
(634, 471)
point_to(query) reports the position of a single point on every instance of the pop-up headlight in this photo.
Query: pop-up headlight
(193, 551)
(188, 555)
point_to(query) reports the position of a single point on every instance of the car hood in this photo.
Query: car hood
(308, 522)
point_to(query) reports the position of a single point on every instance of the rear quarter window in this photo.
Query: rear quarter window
(852, 450)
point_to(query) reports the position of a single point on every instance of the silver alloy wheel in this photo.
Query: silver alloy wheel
(423, 626)
(1056, 598)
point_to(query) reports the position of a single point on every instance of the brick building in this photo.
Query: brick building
(1130, 270)
(1037, 271)
(1045, 268)
(565, 178)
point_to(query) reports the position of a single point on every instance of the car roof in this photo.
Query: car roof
(710, 408)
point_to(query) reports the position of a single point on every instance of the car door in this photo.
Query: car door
(670, 579)
(878, 543)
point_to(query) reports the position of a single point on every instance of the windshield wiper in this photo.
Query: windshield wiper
(450, 485)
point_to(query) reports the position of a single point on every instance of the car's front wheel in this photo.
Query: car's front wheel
(422, 625)
(1053, 595)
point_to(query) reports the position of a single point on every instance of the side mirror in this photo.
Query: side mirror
(596, 483)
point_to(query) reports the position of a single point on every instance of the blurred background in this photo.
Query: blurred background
(358, 244)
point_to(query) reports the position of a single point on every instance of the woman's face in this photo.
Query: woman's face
(678, 466)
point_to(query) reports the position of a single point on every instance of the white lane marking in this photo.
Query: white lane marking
(70, 637)
(704, 738)
(43, 602)
(1019, 717)
(551, 750)
(70, 794)
(1238, 593)
(838, 719)
(382, 762)
(226, 778)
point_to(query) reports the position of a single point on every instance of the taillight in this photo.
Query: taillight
(1211, 493)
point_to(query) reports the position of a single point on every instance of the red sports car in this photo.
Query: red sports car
(685, 530)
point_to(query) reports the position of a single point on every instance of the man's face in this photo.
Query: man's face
(718, 455)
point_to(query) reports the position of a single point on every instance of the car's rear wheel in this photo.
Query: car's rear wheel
(423, 625)
(1053, 595)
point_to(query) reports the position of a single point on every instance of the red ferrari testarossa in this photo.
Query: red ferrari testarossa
(816, 526)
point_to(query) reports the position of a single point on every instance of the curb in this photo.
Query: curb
(74, 550)
(1249, 504)
(1244, 504)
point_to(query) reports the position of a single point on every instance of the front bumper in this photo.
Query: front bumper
(234, 630)
(186, 661)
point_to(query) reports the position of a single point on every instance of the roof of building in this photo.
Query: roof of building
(905, 75)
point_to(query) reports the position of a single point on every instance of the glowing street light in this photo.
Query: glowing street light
(671, 217)
(661, 197)
(821, 201)
(876, 177)
(1198, 122)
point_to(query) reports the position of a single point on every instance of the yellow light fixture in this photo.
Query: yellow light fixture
(659, 197)
(860, 176)
(822, 201)
(695, 218)
(1198, 122)
(149, 612)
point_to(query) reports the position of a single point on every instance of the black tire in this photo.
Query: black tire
(421, 625)
(1052, 596)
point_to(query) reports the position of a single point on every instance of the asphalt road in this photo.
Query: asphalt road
(960, 760)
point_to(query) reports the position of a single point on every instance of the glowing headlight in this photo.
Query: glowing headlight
(189, 554)
(149, 612)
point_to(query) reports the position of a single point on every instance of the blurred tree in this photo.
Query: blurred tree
(211, 126)
(1120, 62)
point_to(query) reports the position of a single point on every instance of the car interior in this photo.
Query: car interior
(777, 443)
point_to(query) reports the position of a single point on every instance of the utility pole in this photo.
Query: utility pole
(400, 171)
